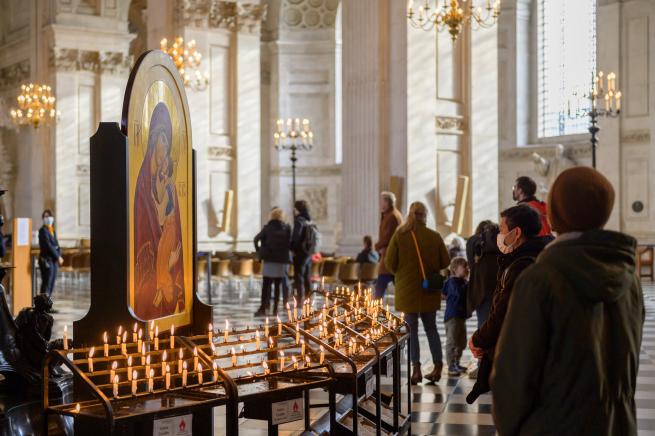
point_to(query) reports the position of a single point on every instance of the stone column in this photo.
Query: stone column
(369, 129)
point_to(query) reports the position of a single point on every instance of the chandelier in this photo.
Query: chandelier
(36, 106)
(453, 16)
(187, 60)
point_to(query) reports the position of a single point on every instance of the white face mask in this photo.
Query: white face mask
(504, 245)
(49, 220)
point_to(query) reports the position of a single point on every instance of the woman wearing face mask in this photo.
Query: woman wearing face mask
(49, 254)
(520, 244)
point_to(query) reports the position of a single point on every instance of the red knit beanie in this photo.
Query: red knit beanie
(580, 199)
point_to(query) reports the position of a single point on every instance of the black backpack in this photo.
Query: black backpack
(312, 240)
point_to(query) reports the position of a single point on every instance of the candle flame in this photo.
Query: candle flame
(152, 325)
(140, 333)
(148, 360)
(114, 365)
(156, 330)
(135, 375)
(104, 336)
(91, 351)
(164, 355)
(136, 326)
(152, 373)
(65, 328)
(210, 327)
(129, 361)
(120, 330)
(195, 351)
(116, 379)
(184, 366)
(77, 408)
(181, 354)
(172, 329)
(168, 368)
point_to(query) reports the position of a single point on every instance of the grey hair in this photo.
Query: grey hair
(390, 197)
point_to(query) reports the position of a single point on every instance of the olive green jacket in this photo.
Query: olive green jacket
(568, 354)
(402, 261)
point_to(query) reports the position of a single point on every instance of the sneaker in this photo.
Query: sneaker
(453, 370)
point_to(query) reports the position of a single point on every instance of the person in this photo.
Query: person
(390, 219)
(568, 355)
(301, 246)
(49, 253)
(523, 192)
(402, 259)
(457, 247)
(455, 316)
(368, 255)
(272, 244)
(482, 254)
(520, 243)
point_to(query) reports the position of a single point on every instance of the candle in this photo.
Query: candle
(257, 340)
(618, 101)
(227, 327)
(134, 334)
(271, 344)
(297, 333)
(172, 336)
(297, 124)
(195, 358)
(124, 344)
(134, 381)
(210, 333)
(607, 102)
(163, 362)
(129, 368)
(65, 337)
(143, 354)
(308, 361)
(139, 339)
(106, 345)
(168, 377)
(90, 359)
(266, 369)
(295, 362)
(266, 328)
(302, 347)
(280, 124)
(200, 373)
(112, 371)
(148, 365)
(184, 374)
(234, 357)
(118, 335)
(322, 358)
(289, 313)
(151, 330)
(281, 360)
(295, 308)
(115, 387)
(279, 326)
(179, 362)
(151, 374)
(157, 337)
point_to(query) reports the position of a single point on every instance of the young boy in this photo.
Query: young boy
(455, 317)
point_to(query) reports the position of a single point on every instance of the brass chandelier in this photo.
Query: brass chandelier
(36, 106)
(453, 15)
(187, 60)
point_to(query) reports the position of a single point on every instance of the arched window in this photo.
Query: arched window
(566, 64)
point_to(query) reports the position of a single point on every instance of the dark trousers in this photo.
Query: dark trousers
(429, 320)
(48, 275)
(301, 276)
(276, 283)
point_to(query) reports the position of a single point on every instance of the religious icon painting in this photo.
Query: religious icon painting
(156, 122)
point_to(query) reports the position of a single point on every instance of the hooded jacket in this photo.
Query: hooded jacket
(567, 357)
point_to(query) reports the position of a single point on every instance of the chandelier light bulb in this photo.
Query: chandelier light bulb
(36, 106)
(187, 60)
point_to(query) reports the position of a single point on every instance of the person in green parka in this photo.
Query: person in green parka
(402, 260)
(568, 354)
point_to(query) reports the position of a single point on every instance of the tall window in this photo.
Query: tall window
(566, 64)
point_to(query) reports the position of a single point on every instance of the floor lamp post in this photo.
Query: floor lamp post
(603, 93)
(294, 137)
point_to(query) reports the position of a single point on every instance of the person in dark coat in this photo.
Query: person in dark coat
(49, 253)
(390, 220)
(482, 254)
(302, 260)
(568, 355)
(519, 243)
(272, 245)
(368, 255)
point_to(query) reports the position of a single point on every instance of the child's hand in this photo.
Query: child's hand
(477, 352)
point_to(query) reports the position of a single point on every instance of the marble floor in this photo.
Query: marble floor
(437, 409)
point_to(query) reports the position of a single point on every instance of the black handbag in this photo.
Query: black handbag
(432, 281)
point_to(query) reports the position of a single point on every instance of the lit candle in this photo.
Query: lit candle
(195, 358)
(322, 358)
(151, 374)
(214, 371)
(134, 381)
(281, 360)
(324, 311)
(129, 368)
(234, 357)
(168, 377)
(77, 408)
(257, 344)
(134, 334)
(184, 374)
(295, 309)
(179, 362)
(295, 362)
(106, 345)
(151, 330)
(227, 327)
(139, 339)
(266, 369)
(297, 124)
(65, 337)
(297, 333)
(148, 365)
(289, 313)
(607, 102)
(210, 333)
(143, 354)
(119, 334)
(115, 388)
(163, 363)
(200, 373)
(172, 336)
(112, 371)
(618, 101)
(157, 337)
(266, 328)
(90, 359)
(308, 361)
(279, 326)
(271, 344)
(302, 347)
(124, 344)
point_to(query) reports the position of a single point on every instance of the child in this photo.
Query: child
(455, 317)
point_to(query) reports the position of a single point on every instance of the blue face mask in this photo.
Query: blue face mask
(49, 220)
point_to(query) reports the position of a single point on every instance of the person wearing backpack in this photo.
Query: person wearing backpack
(520, 244)
(272, 245)
(304, 243)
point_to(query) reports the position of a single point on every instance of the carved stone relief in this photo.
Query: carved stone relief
(636, 137)
(217, 153)
(65, 59)
(309, 14)
(232, 15)
(15, 74)
(317, 200)
(450, 125)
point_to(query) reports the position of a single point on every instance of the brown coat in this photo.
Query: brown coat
(389, 222)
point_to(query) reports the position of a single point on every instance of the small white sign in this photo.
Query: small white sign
(173, 426)
(370, 386)
(287, 411)
(23, 230)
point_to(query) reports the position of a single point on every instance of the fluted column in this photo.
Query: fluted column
(369, 130)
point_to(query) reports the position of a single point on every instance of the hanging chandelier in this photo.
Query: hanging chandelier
(187, 60)
(453, 16)
(36, 106)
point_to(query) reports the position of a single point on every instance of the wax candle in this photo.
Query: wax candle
(134, 332)
(295, 362)
(279, 326)
(289, 312)
(281, 360)
(172, 336)
(308, 361)
(179, 362)
(266, 328)
(322, 357)
(214, 371)
(112, 371)
(129, 368)
(234, 357)
(106, 345)
(168, 377)
(90, 359)
(266, 369)
(164, 356)
(324, 311)
(156, 337)
(195, 358)
(184, 374)
(134, 381)
(151, 330)
(297, 333)
(257, 340)
(151, 374)
(147, 364)
(124, 344)
(115, 387)
(65, 337)
(143, 354)
(302, 347)
(210, 333)
(119, 334)
(200, 373)
(295, 308)
(227, 328)
(271, 344)
(139, 341)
